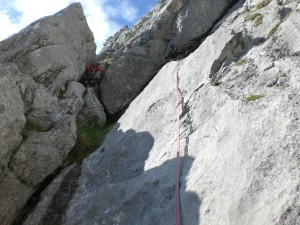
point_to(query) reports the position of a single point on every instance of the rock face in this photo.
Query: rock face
(133, 56)
(93, 111)
(239, 133)
(40, 100)
(61, 190)
(193, 20)
(239, 161)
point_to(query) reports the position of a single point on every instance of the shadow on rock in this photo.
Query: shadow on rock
(115, 189)
(120, 158)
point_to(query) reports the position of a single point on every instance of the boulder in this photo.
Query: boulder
(40, 101)
(52, 50)
(43, 152)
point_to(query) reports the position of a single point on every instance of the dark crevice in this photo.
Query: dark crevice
(109, 118)
(60, 201)
(35, 198)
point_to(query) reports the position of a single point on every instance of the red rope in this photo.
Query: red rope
(177, 191)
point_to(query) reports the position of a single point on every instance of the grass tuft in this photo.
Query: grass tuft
(257, 18)
(241, 62)
(215, 83)
(262, 4)
(89, 138)
(254, 97)
(274, 29)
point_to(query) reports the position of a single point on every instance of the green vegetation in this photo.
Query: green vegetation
(283, 75)
(257, 18)
(262, 4)
(30, 126)
(273, 31)
(89, 138)
(285, 85)
(254, 97)
(241, 62)
(215, 82)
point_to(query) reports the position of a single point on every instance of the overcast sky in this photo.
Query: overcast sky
(104, 17)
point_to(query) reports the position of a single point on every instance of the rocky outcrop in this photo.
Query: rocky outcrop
(239, 133)
(133, 56)
(239, 161)
(40, 100)
(53, 50)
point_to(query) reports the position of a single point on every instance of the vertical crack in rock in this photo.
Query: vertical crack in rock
(59, 202)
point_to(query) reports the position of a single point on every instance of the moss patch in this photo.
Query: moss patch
(89, 138)
(262, 4)
(254, 97)
(257, 18)
(241, 62)
(215, 83)
(273, 31)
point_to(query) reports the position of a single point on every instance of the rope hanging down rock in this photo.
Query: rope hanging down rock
(179, 99)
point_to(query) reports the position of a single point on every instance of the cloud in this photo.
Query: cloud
(17, 14)
(121, 10)
(128, 11)
(99, 21)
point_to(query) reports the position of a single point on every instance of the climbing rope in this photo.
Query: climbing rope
(179, 99)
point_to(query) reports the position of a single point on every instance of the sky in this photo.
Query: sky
(105, 17)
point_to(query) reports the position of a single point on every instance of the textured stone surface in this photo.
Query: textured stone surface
(43, 152)
(239, 135)
(53, 50)
(133, 56)
(12, 118)
(40, 100)
(193, 21)
(93, 112)
(55, 198)
(14, 195)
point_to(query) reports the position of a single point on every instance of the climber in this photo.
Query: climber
(88, 79)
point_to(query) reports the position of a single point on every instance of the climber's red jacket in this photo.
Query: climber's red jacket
(92, 69)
